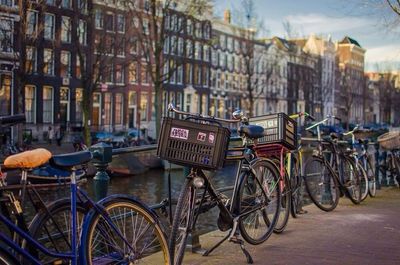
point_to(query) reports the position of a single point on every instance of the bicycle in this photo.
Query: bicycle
(280, 138)
(328, 178)
(361, 161)
(200, 142)
(103, 220)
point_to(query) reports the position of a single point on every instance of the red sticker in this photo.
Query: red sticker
(211, 138)
(201, 136)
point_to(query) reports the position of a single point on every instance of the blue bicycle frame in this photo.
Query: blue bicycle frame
(73, 255)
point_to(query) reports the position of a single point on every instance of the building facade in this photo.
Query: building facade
(350, 105)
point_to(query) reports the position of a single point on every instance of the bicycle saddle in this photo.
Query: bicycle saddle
(28, 159)
(252, 131)
(71, 159)
(335, 135)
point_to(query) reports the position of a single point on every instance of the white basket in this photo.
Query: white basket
(390, 140)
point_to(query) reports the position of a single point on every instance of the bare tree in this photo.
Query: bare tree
(248, 26)
(27, 35)
(158, 23)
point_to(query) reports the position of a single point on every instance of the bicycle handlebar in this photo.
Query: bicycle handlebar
(172, 108)
(300, 114)
(12, 119)
(323, 121)
(351, 132)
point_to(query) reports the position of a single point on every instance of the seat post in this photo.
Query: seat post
(73, 217)
(23, 182)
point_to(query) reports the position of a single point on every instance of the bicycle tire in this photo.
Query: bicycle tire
(296, 185)
(43, 229)
(101, 243)
(353, 181)
(317, 174)
(285, 207)
(183, 216)
(371, 179)
(269, 180)
(363, 181)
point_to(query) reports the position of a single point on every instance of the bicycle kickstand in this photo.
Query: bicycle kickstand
(208, 252)
(237, 240)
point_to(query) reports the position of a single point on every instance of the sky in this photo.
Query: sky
(337, 18)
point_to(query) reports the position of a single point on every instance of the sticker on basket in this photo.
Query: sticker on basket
(201, 136)
(179, 133)
(211, 138)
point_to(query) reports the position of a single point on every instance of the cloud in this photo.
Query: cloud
(386, 54)
(305, 24)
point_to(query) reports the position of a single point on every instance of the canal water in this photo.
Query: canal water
(152, 187)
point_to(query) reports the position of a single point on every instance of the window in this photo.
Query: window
(180, 46)
(66, 4)
(146, 26)
(118, 108)
(121, 23)
(206, 51)
(78, 65)
(107, 108)
(47, 104)
(145, 79)
(5, 94)
(31, 60)
(119, 74)
(189, 49)
(30, 104)
(82, 6)
(65, 29)
(197, 51)
(188, 75)
(197, 75)
(204, 104)
(82, 32)
(78, 105)
(48, 62)
(6, 35)
(134, 45)
(65, 66)
(166, 45)
(49, 23)
(205, 76)
(189, 27)
(109, 22)
(121, 49)
(31, 20)
(133, 72)
(109, 71)
(198, 30)
(173, 45)
(99, 19)
(179, 78)
(143, 106)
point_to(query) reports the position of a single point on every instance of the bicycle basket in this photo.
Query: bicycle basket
(389, 141)
(191, 143)
(278, 129)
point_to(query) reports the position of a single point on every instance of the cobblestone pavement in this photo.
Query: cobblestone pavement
(352, 234)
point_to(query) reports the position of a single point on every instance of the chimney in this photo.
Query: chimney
(227, 16)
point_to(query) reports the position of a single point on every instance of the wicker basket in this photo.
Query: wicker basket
(390, 140)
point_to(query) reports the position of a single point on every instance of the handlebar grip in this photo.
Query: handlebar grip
(12, 119)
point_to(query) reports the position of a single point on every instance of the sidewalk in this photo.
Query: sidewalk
(352, 234)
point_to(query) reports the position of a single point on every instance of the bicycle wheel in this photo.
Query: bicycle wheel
(352, 179)
(127, 233)
(296, 186)
(286, 201)
(371, 178)
(363, 181)
(321, 184)
(52, 228)
(182, 222)
(259, 201)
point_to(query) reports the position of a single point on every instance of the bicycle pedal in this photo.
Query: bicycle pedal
(236, 240)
